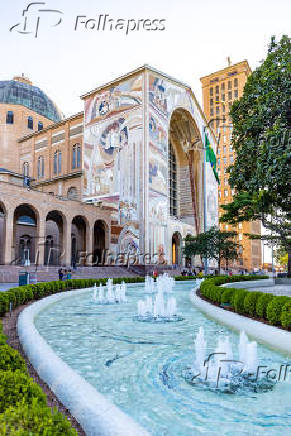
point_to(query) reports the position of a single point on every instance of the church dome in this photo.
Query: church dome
(21, 91)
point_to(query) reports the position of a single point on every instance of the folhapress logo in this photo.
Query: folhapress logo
(32, 17)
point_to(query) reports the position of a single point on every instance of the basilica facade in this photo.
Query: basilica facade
(128, 174)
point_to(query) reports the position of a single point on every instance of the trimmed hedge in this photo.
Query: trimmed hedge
(10, 359)
(250, 302)
(34, 419)
(286, 315)
(275, 309)
(262, 303)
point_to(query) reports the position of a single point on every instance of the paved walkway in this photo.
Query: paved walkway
(275, 289)
(6, 286)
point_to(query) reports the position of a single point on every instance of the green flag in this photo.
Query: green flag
(210, 157)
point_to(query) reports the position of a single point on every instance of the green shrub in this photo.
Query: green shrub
(10, 359)
(262, 303)
(35, 420)
(250, 302)
(15, 387)
(286, 314)
(3, 338)
(227, 295)
(238, 300)
(274, 309)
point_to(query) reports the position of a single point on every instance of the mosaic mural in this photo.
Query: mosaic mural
(115, 163)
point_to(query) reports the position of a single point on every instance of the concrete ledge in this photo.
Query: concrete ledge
(265, 334)
(96, 414)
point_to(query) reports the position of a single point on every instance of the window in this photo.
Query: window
(211, 112)
(223, 108)
(76, 156)
(9, 117)
(72, 193)
(229, 95)
(240, 225)
(25, 169)
(211, 102)
(217, 110)
(240, 236)
(172, 165)
(225, 181)
(211, 91)
(218, 151)
(230, 149)
(30, 123)
(224, 140)
(226, 193)
(57, 162)
(231, 159)
(235, 93)
(222, 86)
(235, 82)
(229, 84)
(217, 89)
(40, 125)
(218, 161)
(224, 160)
(222, 97)
(40, 167)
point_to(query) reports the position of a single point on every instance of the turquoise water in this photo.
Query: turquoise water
(140, 367)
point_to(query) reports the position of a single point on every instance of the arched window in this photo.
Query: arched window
(25, 169)
(40, 167)
(40, 125)
(57, 162)
(30, 123)
(9, 117)
(76, 156)
(172, 165)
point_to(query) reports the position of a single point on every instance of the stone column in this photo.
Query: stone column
(41, 238)
(9, 229)
(67, 242)
(89, 243)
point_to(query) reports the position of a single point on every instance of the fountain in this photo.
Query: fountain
(158, 309)
(163, 283)
(219, 371)
(115, 294)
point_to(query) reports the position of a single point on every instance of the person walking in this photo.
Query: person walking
(61, 274)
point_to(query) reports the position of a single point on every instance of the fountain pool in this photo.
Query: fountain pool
(141, 367)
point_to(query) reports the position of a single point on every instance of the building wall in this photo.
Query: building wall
(60, 137)
(219, 90)
(10, 133)
(126, 139)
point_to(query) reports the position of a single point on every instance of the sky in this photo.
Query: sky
(199, 35)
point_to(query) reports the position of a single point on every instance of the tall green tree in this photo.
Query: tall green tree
(262, 142)
(213, 244)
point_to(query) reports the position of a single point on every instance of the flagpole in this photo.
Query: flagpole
(204, 202)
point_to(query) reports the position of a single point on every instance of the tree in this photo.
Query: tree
(213, 244)
(262, 141)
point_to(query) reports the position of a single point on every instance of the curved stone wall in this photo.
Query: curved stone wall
(96, 414)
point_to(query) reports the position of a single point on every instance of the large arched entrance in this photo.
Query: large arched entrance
(2, 232)
(185, 168)
(99, 242)
(25, 234)
(78, 236)
(176, 248)
(55, 225)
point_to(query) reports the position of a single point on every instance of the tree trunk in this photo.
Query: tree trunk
(226, 263)
(289, 262)
(219, 261)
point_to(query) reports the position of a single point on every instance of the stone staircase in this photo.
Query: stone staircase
(9, 273)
